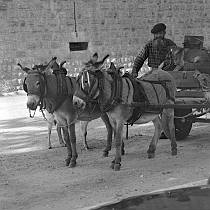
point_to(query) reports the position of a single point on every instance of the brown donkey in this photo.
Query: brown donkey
(115, 95)
(41, 88)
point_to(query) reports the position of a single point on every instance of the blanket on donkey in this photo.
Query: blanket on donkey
(154, 88)
(158, 86)
(58, 89)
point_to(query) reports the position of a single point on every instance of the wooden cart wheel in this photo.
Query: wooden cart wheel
(182, 128)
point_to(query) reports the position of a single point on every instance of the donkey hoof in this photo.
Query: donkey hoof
(112, 165)
(117, 167)
(68, 161)
(63, 145)
(151, 155)
(86, 148)
(174, 152)
(72, 164)
(123, 152)
(105, 154)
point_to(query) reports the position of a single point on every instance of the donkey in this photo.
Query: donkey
(190, 59)
(50, 122)
(61, 130)
(115, 95)
(41, 89)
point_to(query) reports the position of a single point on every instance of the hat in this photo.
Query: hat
(158, 28)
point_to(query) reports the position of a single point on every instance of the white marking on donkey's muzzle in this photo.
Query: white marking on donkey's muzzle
(88, 80)
(82, 82)
(33, 102)
(88, 77)
(78, 103)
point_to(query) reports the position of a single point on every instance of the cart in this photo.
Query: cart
(190, 104)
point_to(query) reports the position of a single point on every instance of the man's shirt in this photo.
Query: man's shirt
(155, 55)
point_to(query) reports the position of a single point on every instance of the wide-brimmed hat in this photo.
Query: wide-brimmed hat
(158, 28)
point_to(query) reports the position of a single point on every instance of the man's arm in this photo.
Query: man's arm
(139, 61)
(169, 62)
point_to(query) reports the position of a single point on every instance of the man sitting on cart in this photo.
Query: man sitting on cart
(156, 51)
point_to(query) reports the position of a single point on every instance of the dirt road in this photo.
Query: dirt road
(33, 177)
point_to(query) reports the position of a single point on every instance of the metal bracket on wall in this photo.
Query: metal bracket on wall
(78, 45)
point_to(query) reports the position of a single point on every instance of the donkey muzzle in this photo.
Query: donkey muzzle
(32, 102)
(78, 103)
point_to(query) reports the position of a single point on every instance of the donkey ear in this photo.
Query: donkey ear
(112, 66)
(62, 63)
(94, 58)
(105, 57)
(95, 55)
(26, 69)
(50, 64)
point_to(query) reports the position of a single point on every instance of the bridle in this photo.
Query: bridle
(91, 95)
(98, 97)
(41, 91)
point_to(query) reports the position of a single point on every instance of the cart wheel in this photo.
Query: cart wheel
(182, 128)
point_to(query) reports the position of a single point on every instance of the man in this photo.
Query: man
(156, 51)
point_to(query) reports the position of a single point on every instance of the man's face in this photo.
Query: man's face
(160, 34)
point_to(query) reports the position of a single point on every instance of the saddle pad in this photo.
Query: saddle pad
(61, 84)
(155, 86)
(65, 85)
(154, 93)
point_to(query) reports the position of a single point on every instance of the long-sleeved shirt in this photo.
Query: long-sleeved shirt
(154, 54)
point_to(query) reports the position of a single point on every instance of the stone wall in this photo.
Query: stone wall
(32, 31)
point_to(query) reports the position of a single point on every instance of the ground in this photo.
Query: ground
(32, 177)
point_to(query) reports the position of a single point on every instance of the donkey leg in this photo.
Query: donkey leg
(108, 125)
(118, 144)
(60, 138)
(68, 145)
(83, 129)
(169, 128)
(64, 135)
(123, 148)
(72, 135)
(155, 138)
(49, 126)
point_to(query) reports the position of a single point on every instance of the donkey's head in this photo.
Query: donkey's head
(88, 81)
(34, 83)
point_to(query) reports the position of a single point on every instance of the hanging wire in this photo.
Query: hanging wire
(75, 20)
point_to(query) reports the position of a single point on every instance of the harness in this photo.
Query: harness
(62, 89)
(140, 96)
(42, 91)
(51, 104)
(116, 92)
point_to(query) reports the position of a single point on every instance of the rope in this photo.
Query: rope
(185, 116)
(191, 113)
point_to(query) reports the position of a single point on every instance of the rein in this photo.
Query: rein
(116, 91)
